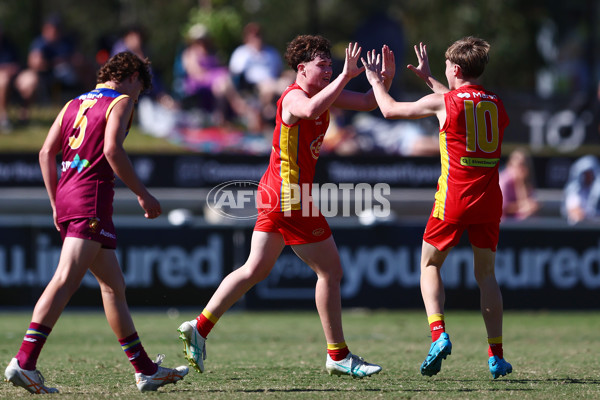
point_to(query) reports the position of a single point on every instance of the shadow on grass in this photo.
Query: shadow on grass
(556, 380)
(291, 390)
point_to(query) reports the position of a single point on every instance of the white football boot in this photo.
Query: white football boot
(352, 365)
(162, 376)
(194, 345)
(32, 381)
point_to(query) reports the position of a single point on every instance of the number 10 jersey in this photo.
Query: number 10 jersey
(470, 147)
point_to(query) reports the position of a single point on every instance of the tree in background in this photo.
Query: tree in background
(512, 26)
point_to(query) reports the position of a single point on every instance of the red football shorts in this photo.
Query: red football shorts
(295, 228)
(102, 231)
(443, 235)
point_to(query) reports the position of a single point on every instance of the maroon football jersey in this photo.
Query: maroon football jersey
(86, 185)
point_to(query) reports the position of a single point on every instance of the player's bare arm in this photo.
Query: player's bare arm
(47, 159)
(423, 71)
(116, 156)
(429, 105)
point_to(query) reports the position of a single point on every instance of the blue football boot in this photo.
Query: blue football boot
(439, 350)
(499, 366)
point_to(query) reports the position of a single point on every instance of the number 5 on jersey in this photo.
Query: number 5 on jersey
(80, 124)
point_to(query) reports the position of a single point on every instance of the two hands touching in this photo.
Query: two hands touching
(375, 67)
(379, 67)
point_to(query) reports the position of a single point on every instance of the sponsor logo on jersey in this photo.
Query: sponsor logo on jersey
(315, 146)
(476, 95)
(479, 162)
(77, 163)
(318, 232)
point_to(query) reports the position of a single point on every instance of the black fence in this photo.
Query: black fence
(209, 170)
(537, 268)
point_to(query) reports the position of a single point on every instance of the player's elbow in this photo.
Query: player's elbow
(46, 153)
(112, 151)
(312, 113)
(387, 113)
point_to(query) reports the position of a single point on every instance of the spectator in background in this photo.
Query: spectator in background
(9, 67)
(53, 63)
(133, 40)
(254, 63)
(202, 81)
(582, 191)
(157, 110)
(516, 183)
(256, 69)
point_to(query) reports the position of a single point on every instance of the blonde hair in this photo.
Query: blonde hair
(470, 54)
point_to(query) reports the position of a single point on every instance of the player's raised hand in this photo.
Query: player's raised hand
(351, 67)
(372, 67)
(422, 69)
(388, 67)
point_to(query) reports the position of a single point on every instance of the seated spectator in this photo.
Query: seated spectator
(201, 81)
(157, 111)
(254, 63)
(52, 64)
(8, 69)
(516, 183)
(133, 40)
(582, 191)
(256, 68)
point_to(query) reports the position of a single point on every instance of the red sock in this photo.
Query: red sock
(337, 351)
(132, 346)
(204, 324)
(495, 349)
(437, 328)
(34, 340)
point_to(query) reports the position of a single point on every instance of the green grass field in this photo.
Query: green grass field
(281, 355)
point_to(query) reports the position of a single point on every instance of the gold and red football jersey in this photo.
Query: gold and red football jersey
(470, 147)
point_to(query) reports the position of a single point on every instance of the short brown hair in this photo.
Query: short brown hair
(122, 65)
(470, 54)
(305, 48)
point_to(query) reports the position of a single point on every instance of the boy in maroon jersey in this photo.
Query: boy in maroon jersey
(89, 131)
(472, 122)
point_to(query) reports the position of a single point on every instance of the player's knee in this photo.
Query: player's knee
(254, 274)
(484, 273)
(332, 274)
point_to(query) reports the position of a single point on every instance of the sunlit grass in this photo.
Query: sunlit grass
(282, 355)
